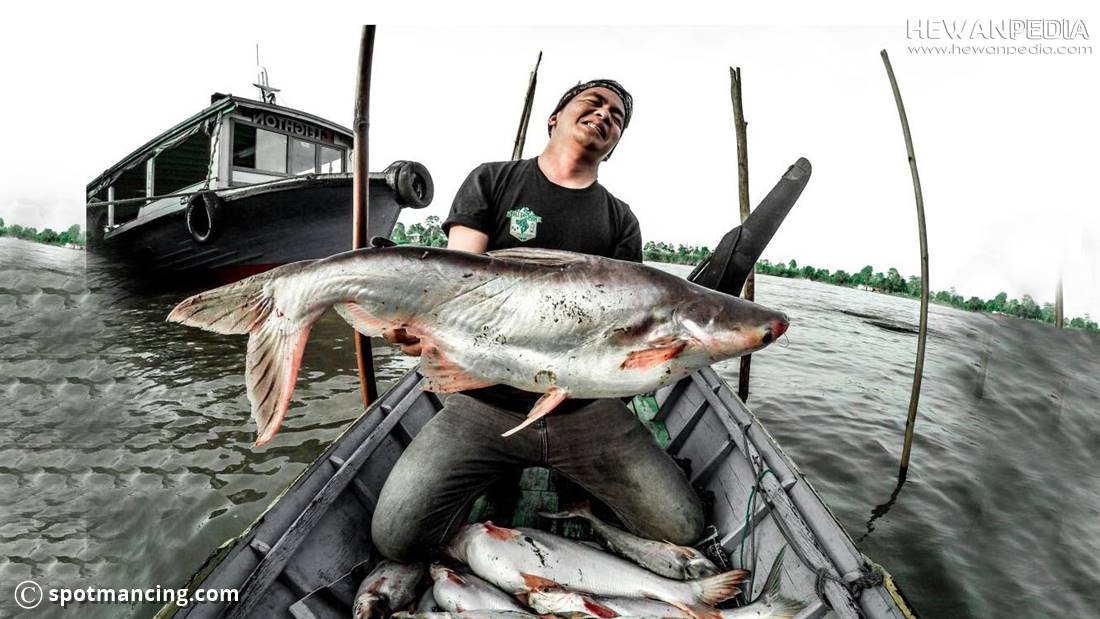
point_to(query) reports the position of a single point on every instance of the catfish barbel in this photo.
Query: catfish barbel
(551, 322)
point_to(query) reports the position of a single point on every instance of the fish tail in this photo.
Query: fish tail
(698, 611)
(778, 606)
(275, 340)
(231, 309)
(718, 588)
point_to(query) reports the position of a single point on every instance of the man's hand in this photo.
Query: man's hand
(409, 345)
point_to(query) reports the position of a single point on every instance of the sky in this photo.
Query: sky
(1005, 143)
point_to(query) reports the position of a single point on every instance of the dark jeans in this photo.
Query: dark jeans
(460, 453)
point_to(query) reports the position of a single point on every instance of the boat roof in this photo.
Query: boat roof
(219, 104)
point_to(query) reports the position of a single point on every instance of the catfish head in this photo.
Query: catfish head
(725, 326)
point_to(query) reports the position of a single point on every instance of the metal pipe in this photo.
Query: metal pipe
(918, 371)
(368, 387)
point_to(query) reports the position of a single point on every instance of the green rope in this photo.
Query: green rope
(745, 530)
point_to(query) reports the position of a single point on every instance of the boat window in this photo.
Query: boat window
(258, 149)
(131, 183)
(332, 159)
(303, 156)
(182, 166)
(270, 151)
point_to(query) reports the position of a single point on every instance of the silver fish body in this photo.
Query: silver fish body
(562, 602)
(551, 322)
(524, 560)
(664, 558)
(456, 592)
(390, 586)
(469, 614)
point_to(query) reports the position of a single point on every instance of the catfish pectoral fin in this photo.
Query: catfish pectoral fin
(548, 402)
(650, 358)
(442, 375)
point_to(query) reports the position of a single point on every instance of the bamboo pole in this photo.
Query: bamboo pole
(739, 125)
(368, 387)
(1059, 319)
(918, 370)
(525, 116)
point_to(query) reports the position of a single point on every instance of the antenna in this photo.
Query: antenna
(267, 92)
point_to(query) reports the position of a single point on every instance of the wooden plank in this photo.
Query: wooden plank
(684, 433)
(274, 562)
(707, 470)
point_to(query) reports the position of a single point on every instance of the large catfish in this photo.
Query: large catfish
(551, 322)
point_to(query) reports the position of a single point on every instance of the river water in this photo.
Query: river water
(126, 458)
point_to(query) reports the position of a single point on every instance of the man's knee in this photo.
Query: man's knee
(686, 526)
(394, 538)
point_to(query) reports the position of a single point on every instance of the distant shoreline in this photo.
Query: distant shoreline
(892, 283)
(73, 238)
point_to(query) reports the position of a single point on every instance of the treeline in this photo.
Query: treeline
(893, 282)
(72, 236)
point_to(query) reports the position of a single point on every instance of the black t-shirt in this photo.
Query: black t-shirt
(517, 206)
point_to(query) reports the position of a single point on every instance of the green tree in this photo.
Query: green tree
(398, 234)
(46, 236)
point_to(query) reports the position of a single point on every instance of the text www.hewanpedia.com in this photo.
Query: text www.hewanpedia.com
(1001, 50)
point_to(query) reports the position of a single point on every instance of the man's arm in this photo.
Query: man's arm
(465, 238)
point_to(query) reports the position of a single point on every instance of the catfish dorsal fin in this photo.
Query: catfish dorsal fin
(543, 257)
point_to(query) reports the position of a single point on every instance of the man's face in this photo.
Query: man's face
(594, 117)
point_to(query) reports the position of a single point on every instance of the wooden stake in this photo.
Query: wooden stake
(739, 126)
(525, 116)
(1059, 319)
(918, 370)
(368, 387)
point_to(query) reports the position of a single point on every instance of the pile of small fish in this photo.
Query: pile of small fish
(502, 573)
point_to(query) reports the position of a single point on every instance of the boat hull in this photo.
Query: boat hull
(307, 555)
(252, 229)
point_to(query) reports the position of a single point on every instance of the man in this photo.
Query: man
(553, 201)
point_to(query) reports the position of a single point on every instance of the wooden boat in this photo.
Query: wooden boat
(230, 187)
(306, 555)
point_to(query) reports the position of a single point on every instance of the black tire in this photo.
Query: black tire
(204, 217)
(411, 182)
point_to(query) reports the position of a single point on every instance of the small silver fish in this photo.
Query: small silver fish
(389, 586)
(456, 592)
(524, 560)
(426, 603)
(469, 614)
(770, 605)
(561, 602)
(664, 558)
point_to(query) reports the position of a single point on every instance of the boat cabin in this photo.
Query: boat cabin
(232, 143)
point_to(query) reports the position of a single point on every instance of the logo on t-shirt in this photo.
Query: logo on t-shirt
(525, 223)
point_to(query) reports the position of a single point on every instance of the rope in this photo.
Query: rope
(746, 531)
